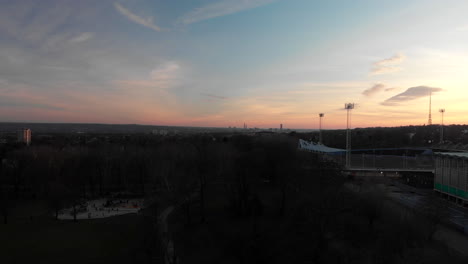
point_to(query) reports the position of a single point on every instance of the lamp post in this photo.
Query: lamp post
(442, 111)
(348, 107)
(321, 115)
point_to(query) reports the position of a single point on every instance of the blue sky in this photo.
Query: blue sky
(226, 62)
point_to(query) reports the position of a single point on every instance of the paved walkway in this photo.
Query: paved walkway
(163, 219)
(166, 237)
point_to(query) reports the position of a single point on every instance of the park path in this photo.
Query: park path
(163, 219)
(166, 236)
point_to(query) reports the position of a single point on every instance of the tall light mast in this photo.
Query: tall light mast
(320, 127)
(348, 107)
(442, 111)
(429, 121)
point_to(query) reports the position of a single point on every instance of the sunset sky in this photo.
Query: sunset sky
(226, 62)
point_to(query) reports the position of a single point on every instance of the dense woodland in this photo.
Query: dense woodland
(238, 198)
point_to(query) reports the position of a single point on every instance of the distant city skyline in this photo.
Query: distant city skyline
(227, 63)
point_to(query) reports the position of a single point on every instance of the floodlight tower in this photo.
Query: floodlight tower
(348, 107)
(442, 111)
(321, 115)
(429, 121)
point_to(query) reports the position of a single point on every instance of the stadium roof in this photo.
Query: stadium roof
(317, 147)
(453, 154)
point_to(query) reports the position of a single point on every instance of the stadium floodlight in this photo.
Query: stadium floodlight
(348, 107)
(321, 115)
(429, 120)
(442, 111)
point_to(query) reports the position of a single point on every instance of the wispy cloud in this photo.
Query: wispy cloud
(146, 22)
(410, 94)
(220, 8)
(164, 76)
(398, 58)
(388, 65)
(213, 96)
(377, 88)
(23, 96)
(81, 37)
(385, 69)
(17, 20)
(374, 89)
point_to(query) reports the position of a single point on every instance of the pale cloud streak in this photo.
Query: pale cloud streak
(377, 88)
(385, 69)
(374, 89)
(166, 75)
(162, 77)
(146, 22)
(388, 65)
(392, 60)
(82, 37)
(24, 96)
(16, 21)
(213, 96)
(220, 8)
(410, 94)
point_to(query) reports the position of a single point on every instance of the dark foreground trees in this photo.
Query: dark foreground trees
(238, 199)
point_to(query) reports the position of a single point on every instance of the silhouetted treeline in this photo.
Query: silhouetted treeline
(282, 205)
(237, 198)
(71, 167)
(389, 137)
(12, 127)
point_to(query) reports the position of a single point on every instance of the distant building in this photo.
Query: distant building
(161, 132)
(24, 136)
